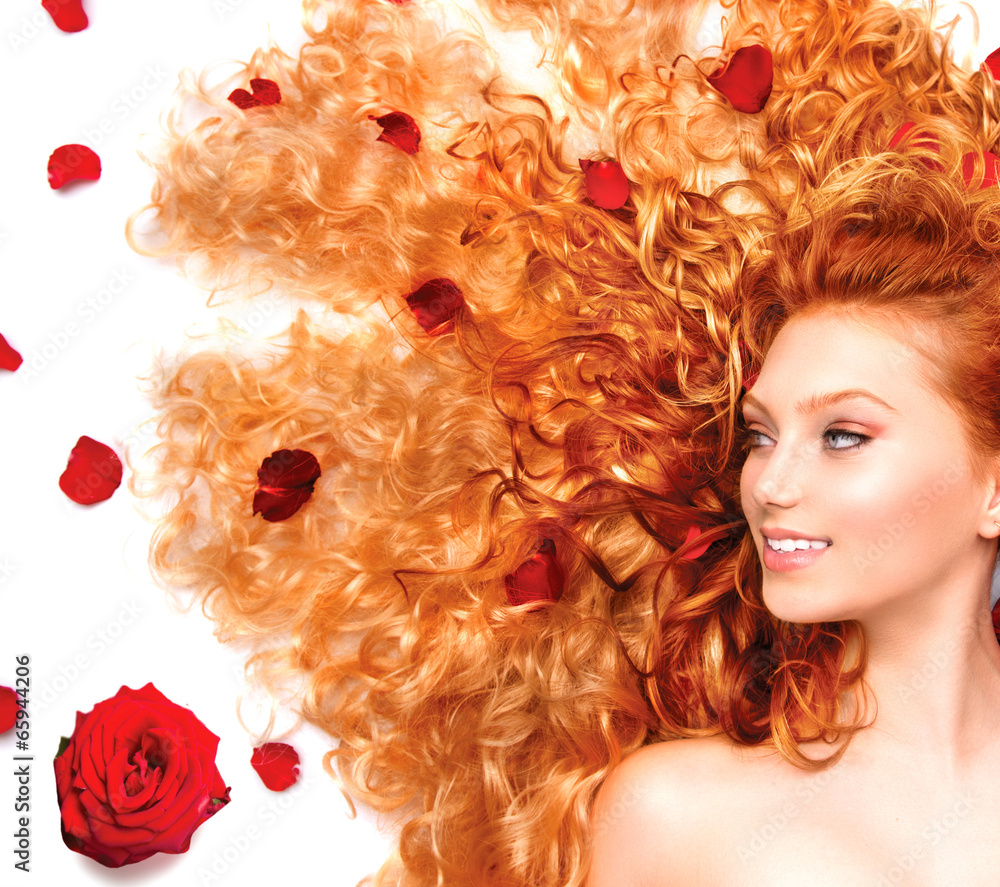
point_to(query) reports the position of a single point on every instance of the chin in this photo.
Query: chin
(800, 605)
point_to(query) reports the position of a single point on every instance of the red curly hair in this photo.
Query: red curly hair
(586, 394)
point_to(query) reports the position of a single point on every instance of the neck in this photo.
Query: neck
(934, 673)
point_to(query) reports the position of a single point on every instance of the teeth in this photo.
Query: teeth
(795, 544)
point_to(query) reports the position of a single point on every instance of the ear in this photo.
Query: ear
(990, 524)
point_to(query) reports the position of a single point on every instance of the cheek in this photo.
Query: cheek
(748, 479)
(909, 506)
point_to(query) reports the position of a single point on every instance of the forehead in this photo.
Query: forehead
(840, 341)
(828, 351)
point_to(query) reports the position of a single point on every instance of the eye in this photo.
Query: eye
(754, 438)
(841, 439)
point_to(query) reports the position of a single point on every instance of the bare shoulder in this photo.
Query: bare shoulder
(660, 813)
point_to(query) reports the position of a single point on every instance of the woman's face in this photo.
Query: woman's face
(858, 486)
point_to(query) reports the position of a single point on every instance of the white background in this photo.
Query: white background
(75, 590)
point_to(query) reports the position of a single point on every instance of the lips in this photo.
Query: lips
(786, 550)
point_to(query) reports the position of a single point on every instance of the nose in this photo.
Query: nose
(779, 475)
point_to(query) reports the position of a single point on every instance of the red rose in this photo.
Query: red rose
(747, 78)
(137, 777)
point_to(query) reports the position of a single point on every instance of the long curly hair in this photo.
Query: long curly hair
(582, 401)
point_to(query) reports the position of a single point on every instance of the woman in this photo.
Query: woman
(524, 557)
(871, 489)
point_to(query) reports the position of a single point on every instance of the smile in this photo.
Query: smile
(787, 550)
(795, 544)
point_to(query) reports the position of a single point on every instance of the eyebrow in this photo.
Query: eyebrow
(823, 401)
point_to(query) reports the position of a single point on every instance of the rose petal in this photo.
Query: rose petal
(906, 137)
(605, 182)
(219, 798)
(265, 92)
(277, 765)
(698, 550)
(747, 79)
(68, 163)
(991, 168)
(242, 99)
(92, 474)
(996, 606)
(9, 358)
(285, 482)
(435, 304)
(539, 578)
(67, 14)
(91, 771)
(8, 708)
(398, 129)
(919, 139)
(992, 62)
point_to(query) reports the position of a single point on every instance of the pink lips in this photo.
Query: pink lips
(786, 561)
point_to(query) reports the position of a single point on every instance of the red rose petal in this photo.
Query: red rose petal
(9, 358)
(698, 550)
(277, 765)
(435, 304)
(71, 162)
(285, 482)
(67, 14)
(905, 136)
(8, 708)
(539, 578)
(220, 797)
(605, 182)
(996, 615)
(265, 92)
(991, 168)
(398, 129)
(920, 139)
(92, 474)
(747, 79)
(992, 62)
(901, 133)
(242, 99)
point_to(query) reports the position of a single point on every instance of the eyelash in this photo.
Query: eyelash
(861, 439)
(751, 438)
